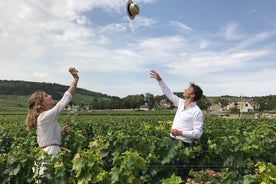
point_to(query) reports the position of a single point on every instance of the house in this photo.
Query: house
(163, 104)
(230, 106)
(242, 106)
(215, 108)
(144, 107)
(247, 106)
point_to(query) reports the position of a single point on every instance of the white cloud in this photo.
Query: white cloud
(203, 44)
(181, 25)
(141, 22)
(230, 31)
(162, 44)
(203, 64)
(39, 40)
(112, 28)
(237, 83)
(254, 39)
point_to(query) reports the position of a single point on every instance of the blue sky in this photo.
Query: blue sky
(226, 47)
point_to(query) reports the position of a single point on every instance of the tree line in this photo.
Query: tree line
(25, 88)
(104, 101)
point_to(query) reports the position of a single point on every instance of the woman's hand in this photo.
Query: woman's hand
(74, 72)
(64, 129)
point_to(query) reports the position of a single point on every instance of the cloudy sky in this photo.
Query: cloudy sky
(227, 47)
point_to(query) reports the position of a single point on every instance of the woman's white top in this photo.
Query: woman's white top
(48, 130)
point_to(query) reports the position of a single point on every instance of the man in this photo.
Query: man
(188, 121)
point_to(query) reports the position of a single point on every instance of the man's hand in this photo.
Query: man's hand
(155, 75)
(176, 132)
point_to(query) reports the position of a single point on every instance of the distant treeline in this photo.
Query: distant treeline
(96, 100)
(24, 88)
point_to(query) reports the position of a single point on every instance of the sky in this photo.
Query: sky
(226, 47)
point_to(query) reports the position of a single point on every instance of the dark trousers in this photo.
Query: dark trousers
(179, 163)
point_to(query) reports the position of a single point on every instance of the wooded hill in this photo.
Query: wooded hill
(24, 88)
(14, 95)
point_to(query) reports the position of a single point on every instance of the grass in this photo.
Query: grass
(13, 103)
(19, 103)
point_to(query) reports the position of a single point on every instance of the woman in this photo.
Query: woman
(42, 116)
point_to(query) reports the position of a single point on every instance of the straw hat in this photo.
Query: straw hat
(132, 9)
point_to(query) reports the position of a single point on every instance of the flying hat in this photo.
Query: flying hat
(132, 9)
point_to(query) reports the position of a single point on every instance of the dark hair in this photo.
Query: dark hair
(197, 91)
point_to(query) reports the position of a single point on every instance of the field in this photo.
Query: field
(131, 147)
(13, 103)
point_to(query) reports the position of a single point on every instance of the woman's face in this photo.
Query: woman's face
(47, 101)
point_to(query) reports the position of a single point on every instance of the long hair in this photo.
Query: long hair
(35, 107)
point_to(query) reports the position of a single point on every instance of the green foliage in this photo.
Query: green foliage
(172, 180)
(87, 166)
(266, 102)
(133, 148)
(128, 168)
(133, 101)
(266, 173)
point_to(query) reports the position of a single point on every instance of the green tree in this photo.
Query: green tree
(149, 99)
(133, 101)
(222, 101)
(204, 103)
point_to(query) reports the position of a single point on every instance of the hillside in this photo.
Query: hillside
(23, 88)
(14, 94)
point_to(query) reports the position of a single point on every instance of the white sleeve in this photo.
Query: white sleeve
(167, 92)
(57, 109)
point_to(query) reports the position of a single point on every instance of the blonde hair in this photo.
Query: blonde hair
(35, 107)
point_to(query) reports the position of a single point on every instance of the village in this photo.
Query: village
(223, 106)
(243, 108)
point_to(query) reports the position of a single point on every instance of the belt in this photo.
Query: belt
(54, 144)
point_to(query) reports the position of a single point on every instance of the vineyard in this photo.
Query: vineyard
(131, 147)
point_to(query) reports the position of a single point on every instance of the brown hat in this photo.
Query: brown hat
(132, 9)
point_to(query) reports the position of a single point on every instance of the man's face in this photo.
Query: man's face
(188, 93)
